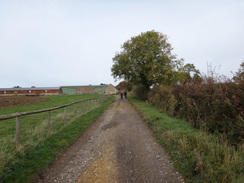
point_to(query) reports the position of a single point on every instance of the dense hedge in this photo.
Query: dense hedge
(214, 107)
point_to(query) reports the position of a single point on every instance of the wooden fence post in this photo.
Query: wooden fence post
(17, 137)
(84, 107)
(65, 113)
(49, 122)
(75, 109)
(88, 105)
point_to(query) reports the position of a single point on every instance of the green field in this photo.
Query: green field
(56, 100)
(35, 129)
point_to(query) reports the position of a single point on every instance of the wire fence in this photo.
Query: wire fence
(21, 130)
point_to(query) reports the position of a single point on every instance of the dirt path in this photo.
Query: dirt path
(118, 147)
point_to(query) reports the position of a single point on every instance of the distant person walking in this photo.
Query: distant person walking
(125, 93)
(121, 95)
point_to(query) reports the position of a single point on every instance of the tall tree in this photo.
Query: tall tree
(188, 73)
(146, 59)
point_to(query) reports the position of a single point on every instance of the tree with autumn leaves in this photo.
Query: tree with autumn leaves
(147, 60)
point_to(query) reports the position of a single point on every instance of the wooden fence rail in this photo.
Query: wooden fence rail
(91, 102)
(14, 115)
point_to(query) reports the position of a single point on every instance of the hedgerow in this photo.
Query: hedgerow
(212, 105)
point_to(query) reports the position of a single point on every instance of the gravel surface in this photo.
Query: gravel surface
(118, 147)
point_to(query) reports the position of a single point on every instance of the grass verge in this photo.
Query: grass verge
(198, 156)
(27, 164)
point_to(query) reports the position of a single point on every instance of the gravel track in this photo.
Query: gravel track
(118, 147)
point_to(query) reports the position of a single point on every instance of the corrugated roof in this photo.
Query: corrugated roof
(23, 89)
(86, 86)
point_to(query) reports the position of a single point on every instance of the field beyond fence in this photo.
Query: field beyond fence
(19, 131)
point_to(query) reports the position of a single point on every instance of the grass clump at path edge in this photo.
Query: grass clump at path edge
(198, 156)
(30, 162)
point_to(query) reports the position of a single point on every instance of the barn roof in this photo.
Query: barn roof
(23, 89)
(86, 86)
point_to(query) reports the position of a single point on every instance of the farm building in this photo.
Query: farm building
(68, 90)
(33, 91)
(100, 89)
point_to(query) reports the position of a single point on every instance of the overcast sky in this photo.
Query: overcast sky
(72, 42)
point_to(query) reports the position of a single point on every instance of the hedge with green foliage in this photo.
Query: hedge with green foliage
(214, 107)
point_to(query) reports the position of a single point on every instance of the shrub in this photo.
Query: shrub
(214, 107)
(141, 92)
(162, 97)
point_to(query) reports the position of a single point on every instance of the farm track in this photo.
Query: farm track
(118, 147)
